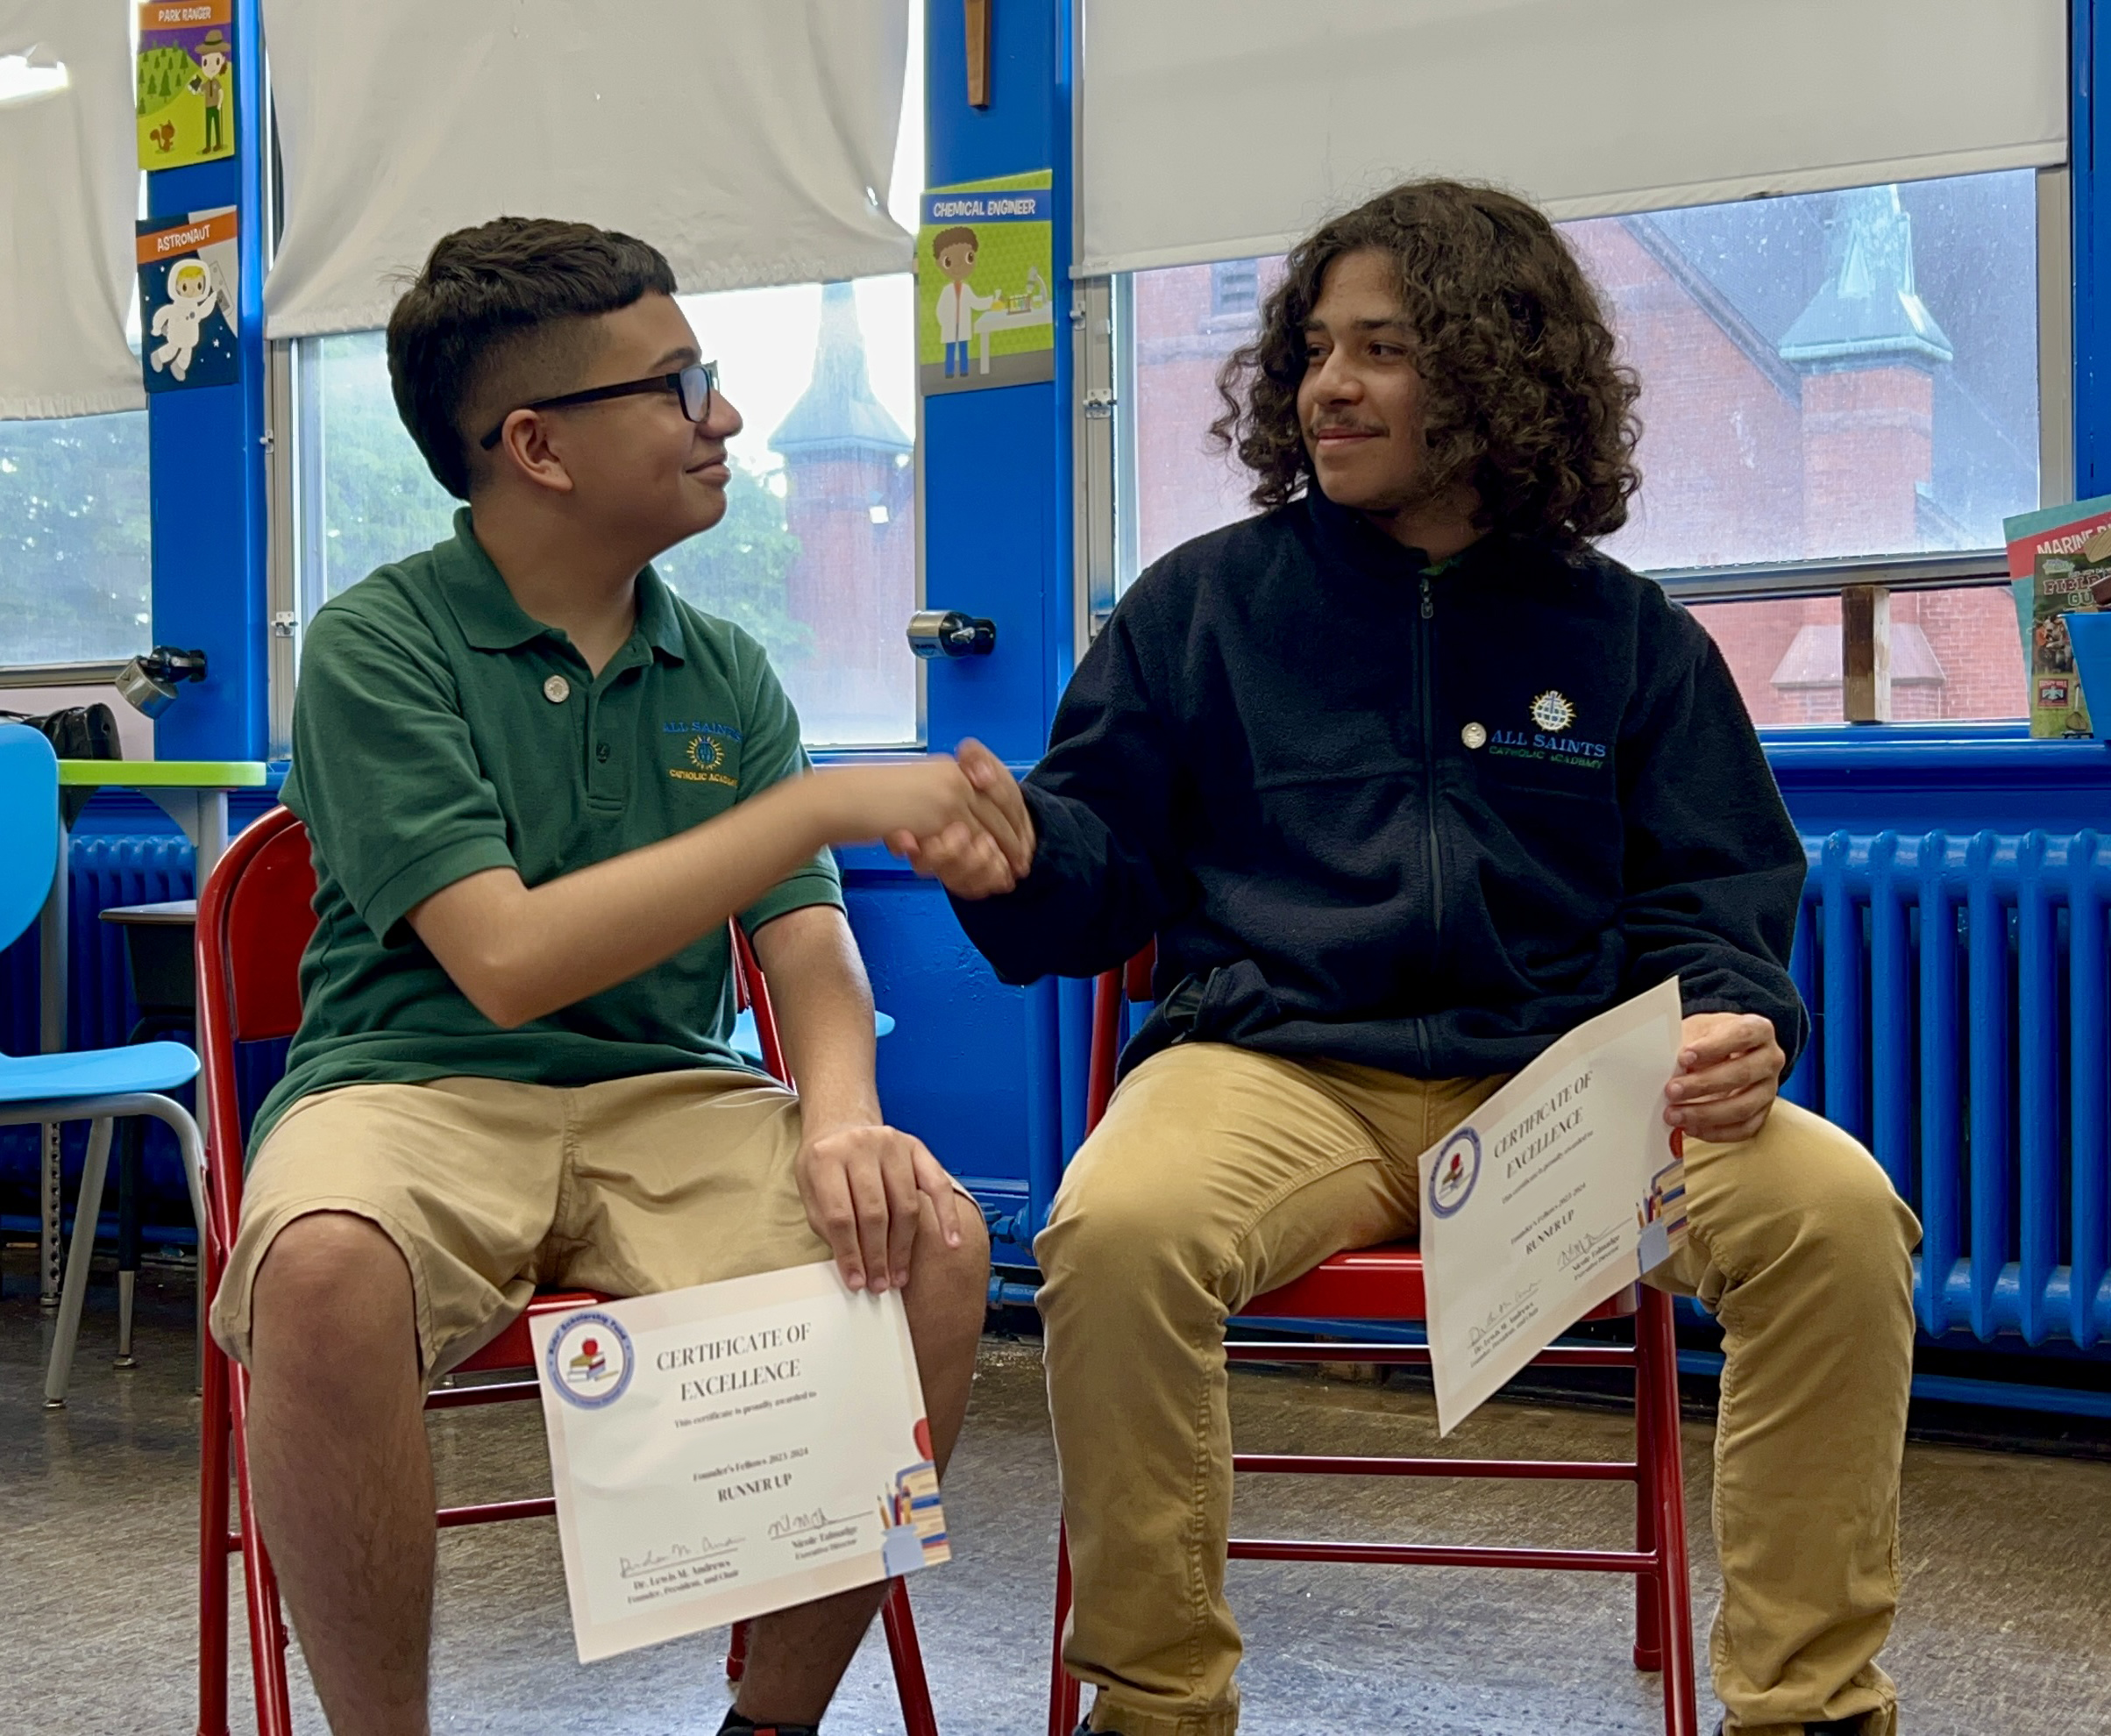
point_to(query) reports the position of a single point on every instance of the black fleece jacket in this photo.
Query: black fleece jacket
(1422, 818)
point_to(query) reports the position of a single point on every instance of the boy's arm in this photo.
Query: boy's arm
(1099, 816)
(386, 776)
(1713, 866)
(519, 952)
(862, 1181)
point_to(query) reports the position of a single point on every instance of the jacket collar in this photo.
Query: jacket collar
(1345, 536)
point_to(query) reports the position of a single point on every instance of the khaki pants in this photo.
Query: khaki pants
(1219, 1173)
(491, 1189)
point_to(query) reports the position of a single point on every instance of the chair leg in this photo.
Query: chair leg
(212, 1549)
(131, 1149)
(190, 1146)
(1660, 1367)
(910, 1682)
(1066, 1695)
(1649, 1587)
(267, 1620)
(74, 1290)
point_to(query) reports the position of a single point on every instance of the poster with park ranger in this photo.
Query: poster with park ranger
(185, 90)
(984, 259)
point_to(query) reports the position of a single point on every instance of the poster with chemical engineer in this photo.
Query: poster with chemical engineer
(984, 258)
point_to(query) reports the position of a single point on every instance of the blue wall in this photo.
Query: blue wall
(207, 452)
(975, 1068)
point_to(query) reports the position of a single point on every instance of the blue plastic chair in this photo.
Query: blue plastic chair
(92, 1085)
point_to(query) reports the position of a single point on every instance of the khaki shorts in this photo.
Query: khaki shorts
(492, 1190)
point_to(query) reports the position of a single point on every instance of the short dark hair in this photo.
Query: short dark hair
(1526, 404)
(953, 238)
(498, 312)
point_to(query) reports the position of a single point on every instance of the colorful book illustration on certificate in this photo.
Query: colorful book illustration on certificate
(185, 83)
(735, 1448)
(1557, 1193)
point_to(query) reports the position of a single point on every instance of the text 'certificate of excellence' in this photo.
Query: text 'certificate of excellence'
(1558, 1192)
(734, 1448)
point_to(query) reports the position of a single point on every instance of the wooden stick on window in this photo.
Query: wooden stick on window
(977, 24)
(1865, 653)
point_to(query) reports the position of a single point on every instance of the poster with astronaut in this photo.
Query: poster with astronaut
(189, 277)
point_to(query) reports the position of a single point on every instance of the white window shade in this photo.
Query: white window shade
(70, 186)
(751, 144)
(1225, 129)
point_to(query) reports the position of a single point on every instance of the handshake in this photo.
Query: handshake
(956, 819)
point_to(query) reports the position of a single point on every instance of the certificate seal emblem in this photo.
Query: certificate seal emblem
(590, 1361)
(1452, 1176)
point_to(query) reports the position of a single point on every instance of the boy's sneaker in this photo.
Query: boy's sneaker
(737, 1725)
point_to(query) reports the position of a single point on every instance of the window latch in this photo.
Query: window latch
(935, 632)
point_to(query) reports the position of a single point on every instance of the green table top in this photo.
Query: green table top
(162, 774)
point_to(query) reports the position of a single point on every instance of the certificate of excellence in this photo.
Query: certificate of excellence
(1558, 1192)
(731, 1449)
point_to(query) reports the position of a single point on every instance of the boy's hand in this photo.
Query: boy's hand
(1730, 1070)
(864, 1189)
(965, 864)
(927, 799)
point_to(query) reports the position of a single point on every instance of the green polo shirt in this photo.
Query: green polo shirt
(439, 731)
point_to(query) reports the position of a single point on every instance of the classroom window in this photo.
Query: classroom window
(1826, 375)
(816, 555)
(1956, 655)
(73, 571)
(1234, 288)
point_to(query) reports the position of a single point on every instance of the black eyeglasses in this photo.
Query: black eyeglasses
(695, 386)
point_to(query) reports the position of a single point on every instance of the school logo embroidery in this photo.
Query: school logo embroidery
(706, 755)
(590, 1362)
(1553, 711)
(1457, 1168)
(1550, 714)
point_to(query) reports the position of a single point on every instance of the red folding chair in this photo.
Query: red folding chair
(254, 917)
(1384, 1285)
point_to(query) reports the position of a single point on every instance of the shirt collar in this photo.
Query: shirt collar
(659, 618)
(490, 620)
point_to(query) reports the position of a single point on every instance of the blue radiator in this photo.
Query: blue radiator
(1958, 982)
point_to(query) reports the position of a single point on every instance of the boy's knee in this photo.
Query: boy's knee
(1851, 1224)
(1114, 1243)
(955, 1280)
(335, 1275)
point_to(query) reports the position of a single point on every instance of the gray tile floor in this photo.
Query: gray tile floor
(2006, 1628)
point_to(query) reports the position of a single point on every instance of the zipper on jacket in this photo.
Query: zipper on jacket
(1425, 637)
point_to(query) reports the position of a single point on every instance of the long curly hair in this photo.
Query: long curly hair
(1523, 402)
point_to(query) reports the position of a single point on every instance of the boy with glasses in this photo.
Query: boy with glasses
(538, 784)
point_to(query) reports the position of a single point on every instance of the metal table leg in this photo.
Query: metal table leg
(202, 816)
(51, 1034)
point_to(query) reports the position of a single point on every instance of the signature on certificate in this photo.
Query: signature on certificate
(705, 1549)
(791, 1524)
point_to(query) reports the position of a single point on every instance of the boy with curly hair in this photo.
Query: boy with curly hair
(1407, 778)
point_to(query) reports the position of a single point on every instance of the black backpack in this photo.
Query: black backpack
(77, 732)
